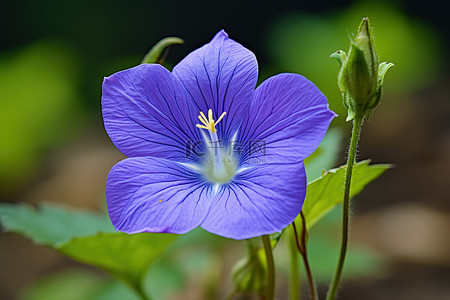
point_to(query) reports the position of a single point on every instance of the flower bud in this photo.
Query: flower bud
(249, 274)
(159, 51)
(360, 78)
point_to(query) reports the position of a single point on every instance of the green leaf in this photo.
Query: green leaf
(325, 156)
(127, 256)
(52, 225)
(327, 191)
(158, 53)
(88, 238)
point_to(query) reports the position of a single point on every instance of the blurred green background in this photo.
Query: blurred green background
(54, 55)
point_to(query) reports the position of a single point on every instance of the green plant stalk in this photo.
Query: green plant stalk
(270, 287)
(302, 249)
(294, 274)
(357, 124)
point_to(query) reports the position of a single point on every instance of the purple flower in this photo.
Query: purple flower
(207, 149)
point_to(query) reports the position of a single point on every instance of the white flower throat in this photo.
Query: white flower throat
(219, 164)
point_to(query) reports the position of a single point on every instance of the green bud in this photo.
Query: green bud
(159, 52)
(360, 78)
(249, 274)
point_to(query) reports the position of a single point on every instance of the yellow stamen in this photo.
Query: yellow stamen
(221, 117)
(209, 123)
(204, 117)
(210, 116)
(203, 121)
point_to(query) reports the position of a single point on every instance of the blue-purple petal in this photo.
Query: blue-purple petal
(221, 76)
(287, 118)
(260, 200)
(147, 112)
(147, 194)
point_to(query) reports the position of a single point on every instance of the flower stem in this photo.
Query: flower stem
(301, 246)
(294, 274)
(270, 287)
(357, 124)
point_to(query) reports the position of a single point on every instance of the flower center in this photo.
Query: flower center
(219, 165)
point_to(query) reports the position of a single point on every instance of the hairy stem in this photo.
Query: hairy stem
(357, 124)
(294, 274)
(270, 288)
(301, 246)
